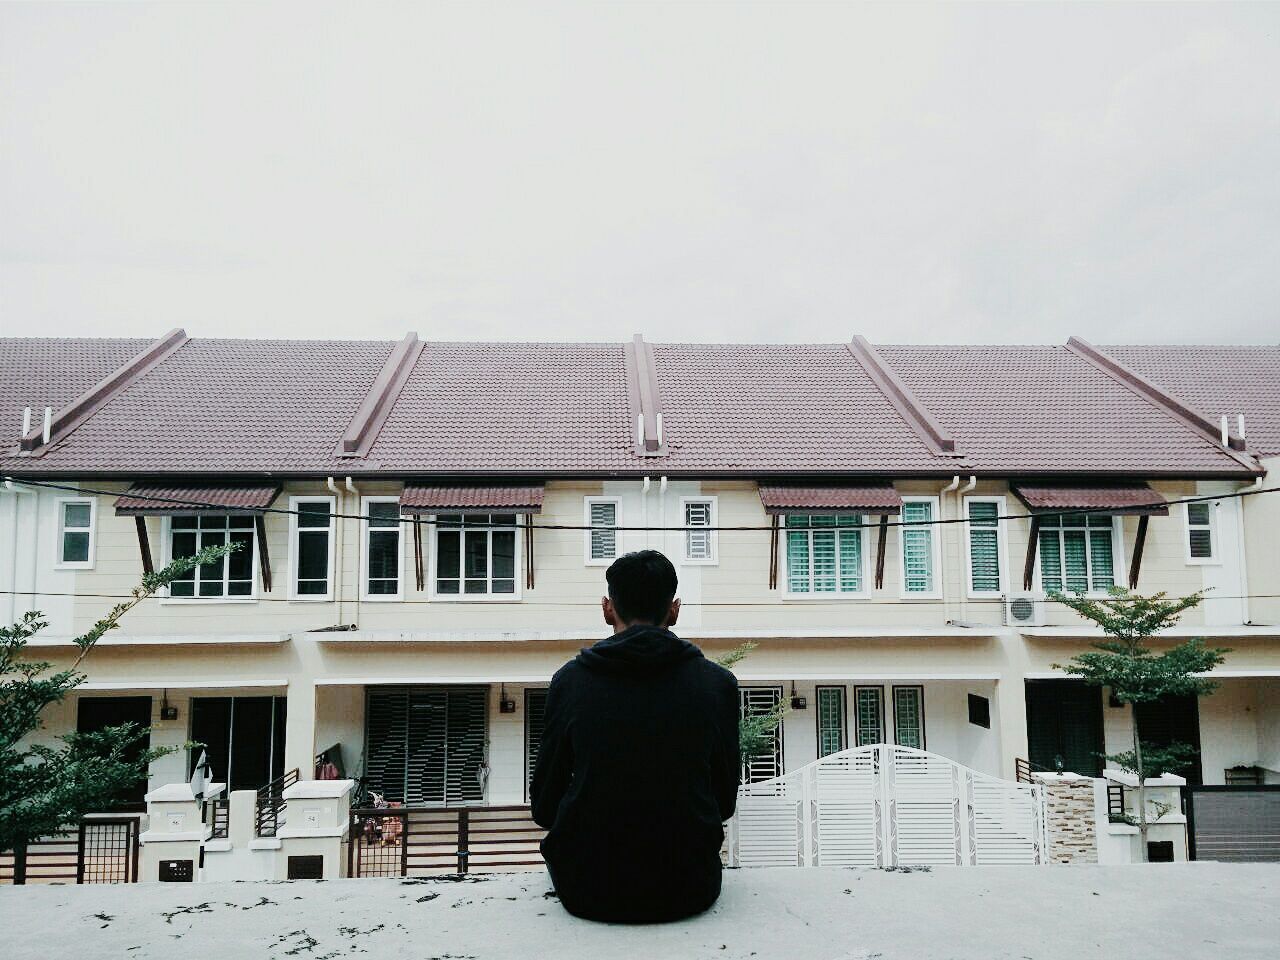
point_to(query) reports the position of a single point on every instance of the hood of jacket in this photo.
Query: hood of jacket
(639, 649)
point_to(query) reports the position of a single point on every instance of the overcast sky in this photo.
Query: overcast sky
(692, 172)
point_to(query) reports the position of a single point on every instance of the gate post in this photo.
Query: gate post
(20, 865)
(464, 838)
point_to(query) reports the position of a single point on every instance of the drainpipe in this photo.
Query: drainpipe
(644, 503)
(337, 542)
(662, 513)
(1241, 556)
(338, 565)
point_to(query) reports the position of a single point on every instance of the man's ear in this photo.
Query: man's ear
(610, 615)
(674, 613)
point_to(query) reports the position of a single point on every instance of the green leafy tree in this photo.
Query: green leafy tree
(45, 788)
(1136, 673)
(755, 733)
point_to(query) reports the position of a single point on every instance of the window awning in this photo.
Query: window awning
(149, 499)
(1124, 499)
(420, 498)
(878, 498)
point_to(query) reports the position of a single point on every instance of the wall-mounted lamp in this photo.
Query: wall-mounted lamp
(797, 702)
(505, 705)
(167, 712)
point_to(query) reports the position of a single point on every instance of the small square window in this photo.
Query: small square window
(700, 535)
(602, 534)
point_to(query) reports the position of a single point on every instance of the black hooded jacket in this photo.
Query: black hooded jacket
(637, 772)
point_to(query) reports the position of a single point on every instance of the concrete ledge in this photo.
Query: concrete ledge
(318, 790)
(265, 843)
(960, 913)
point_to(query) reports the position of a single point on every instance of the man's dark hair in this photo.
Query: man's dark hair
(641, 586)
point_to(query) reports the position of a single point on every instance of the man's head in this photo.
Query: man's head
(642, 589)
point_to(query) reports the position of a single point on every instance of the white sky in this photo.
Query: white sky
(692, 172)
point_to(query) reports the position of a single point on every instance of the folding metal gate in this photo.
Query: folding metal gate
(883, 805)
(1236, 823)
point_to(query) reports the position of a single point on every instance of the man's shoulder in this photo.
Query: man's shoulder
(715, 673)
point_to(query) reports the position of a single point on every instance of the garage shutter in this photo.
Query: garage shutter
(426, 744)
(535, 715)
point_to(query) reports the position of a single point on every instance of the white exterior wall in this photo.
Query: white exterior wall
(264, 646)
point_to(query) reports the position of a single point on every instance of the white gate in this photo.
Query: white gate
(882, 806)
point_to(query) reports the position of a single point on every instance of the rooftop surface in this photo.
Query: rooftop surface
(986, 913)
(282, 407)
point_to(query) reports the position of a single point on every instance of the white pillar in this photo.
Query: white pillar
(300, 728)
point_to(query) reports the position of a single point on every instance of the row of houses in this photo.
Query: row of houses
(424, 529)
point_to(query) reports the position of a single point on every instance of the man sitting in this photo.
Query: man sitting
(639, 766)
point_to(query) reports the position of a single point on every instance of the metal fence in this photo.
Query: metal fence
(100, 850)
(421, 841)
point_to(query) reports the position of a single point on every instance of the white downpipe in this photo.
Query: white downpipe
(338, 563)
(337, 542)
(968, 487)
(662, 512)
(953, 485)
(644, 509)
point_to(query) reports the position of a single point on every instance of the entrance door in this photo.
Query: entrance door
(96, 713)
(1064, 724)
(243, 738)
(1173, 720)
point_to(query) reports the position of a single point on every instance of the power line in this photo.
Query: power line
(435, 521)
(833, 597)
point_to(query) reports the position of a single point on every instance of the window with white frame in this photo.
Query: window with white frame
(919, 545)
(475, 555)
(986, 545)
(869, 715)
(699, 537)
(229, 577)
(75, 532)
(1202, 534)
(602, 536)
(382, 550)
(312, 527)
(825, 554)
(908, 717)
(1077, 552)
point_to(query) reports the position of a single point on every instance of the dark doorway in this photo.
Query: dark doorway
(97, 713)
(243, 737)
(1064, 726)
(1173, 720)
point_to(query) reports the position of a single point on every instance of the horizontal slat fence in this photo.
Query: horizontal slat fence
(425, 841)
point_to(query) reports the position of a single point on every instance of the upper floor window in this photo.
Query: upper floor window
(312, 535)
(475, 555)
(229, 577)
(986, 545)
(382, 551)
(699, 535)
(919, 546)
(826, 558)
(1077, 552)
(75, 532)
(1202, 534)
(602, 537)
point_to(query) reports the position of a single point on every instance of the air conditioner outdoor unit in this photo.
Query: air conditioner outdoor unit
(1023, 610)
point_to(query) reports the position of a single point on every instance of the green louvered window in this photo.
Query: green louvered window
(918, 575)
(1076, 553)
(828, 558)
(908, 717)
(1200, 539)
(869, 703)
(831, 726)
(984, 546)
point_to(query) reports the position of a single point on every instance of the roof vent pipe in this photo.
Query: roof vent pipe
(1226, 434)
(26, 422)
(48, 424)
(640, 430)
(659, 419)
(1240, 425)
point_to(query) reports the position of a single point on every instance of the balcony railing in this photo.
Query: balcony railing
(269, 814)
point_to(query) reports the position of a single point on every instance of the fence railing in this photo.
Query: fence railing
(419, 841)
(269, 812)
(102, 849)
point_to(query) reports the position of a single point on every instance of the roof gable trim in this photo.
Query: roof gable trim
(381, 398)
(100, 394)
(918, 418)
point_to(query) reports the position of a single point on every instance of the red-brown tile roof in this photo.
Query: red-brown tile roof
(150, 498)
(863, 498)
(419, 498)
(1122, 498)
(239, 409)
(1218, 381)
